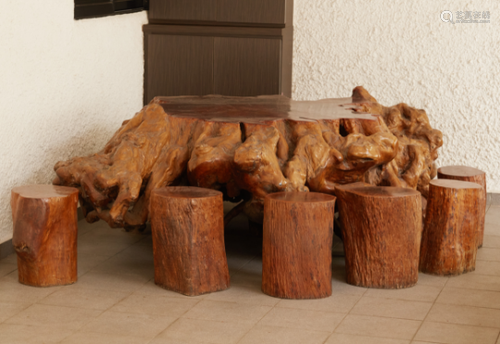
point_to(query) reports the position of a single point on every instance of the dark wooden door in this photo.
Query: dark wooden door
(179, 65)
(246, 66)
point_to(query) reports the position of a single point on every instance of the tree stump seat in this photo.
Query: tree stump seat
(381, 229)
(187, 225)
(45, 233)
(449, 239)
(469, 174)
(297, 245)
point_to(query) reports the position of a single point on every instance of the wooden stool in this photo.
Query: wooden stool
(469, 174)
(45, 232)
(381, 228)
(187, 225)
(449, 239)
(297, 245)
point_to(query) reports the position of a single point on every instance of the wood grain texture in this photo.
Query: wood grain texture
(188, 240)
(449, 239)
(185, 10)
(179, 65)
(45, 234)
(247, 66)
(219, 12)
(297, 245)
(381, 229)
(248, 147)
(469, 174)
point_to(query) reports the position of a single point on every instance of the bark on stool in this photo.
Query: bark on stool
(449, 239)
(297, 245)
(187, 225)
(469, 174)
(381, 228)
(45, 232)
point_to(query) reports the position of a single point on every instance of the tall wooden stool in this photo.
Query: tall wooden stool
(449, 240)
(381, 228)
(45, 232)
(187, 225)
(469, 174)
(297, 245)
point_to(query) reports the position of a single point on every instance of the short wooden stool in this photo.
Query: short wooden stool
(449, 239)
(469, 174)
(381, 228)
(45, 232)
(297, 245)
(187, 225)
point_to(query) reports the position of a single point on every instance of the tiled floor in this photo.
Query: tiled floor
(116, 301)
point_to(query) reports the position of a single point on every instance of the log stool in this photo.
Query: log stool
(449, 239)
(381, 228)
(297, 245)
(45, 232)
(187, 225)
(469, 174)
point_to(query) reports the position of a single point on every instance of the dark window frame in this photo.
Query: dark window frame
(103, 8)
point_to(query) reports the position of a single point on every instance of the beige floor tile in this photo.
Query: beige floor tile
(468, 297)
(129, 324)
(488, 254)
(47, 315)
(150, 288)
(235, 263)
(492, 228)
(341, 338)
(227, 312)
(87, 262)
(402, 309)
(302, 319)
(419, 292)
(492, 218)
(7, 268)
(488, 268)
(273, 335)
(8, 310)
(490, 241)
(103, 338)
(24, 334)
(456, 334)
(135, 260)
(339, 303)
(431, 280)
(378, 327)
(84, 298)
(465, 315)
(253, 266)
(124, 283)
(10, 259)
(241, 292)
(202, 331)
(12, 291)
(148, 304)
(474, 280)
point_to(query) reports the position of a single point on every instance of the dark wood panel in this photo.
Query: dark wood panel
(178, 65)
(251, 11)
(183, 10)
(246, 66)
(219, 31)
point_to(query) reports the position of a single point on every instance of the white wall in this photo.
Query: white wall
(65, 87)
(401, 51)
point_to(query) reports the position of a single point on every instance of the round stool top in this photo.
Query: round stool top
(44, 191)
(379, 191)
(186, 192)
(301, 197)
(455, 184)
(460, 171)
